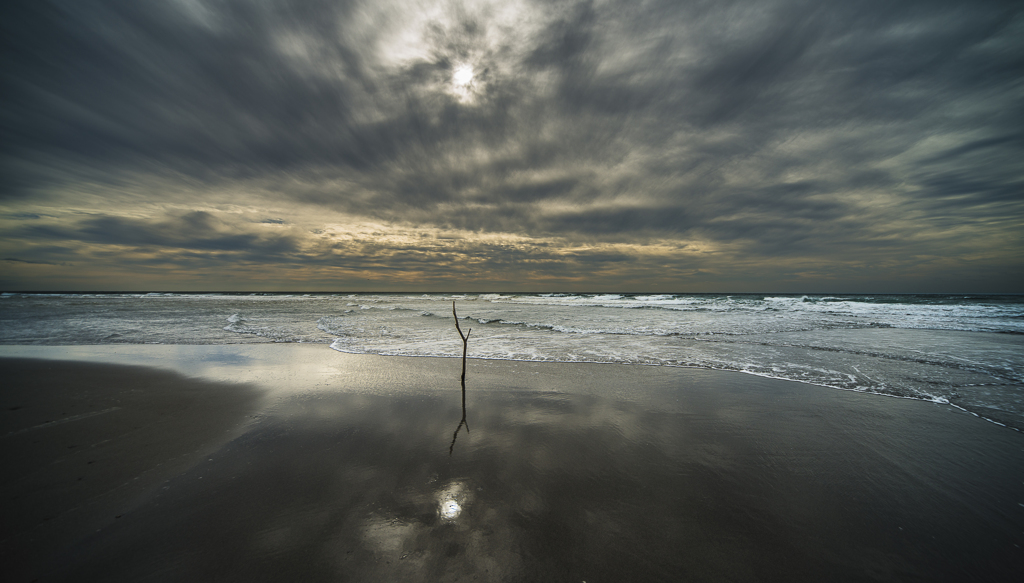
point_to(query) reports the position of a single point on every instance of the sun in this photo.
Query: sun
(462, 83)
(462, 76)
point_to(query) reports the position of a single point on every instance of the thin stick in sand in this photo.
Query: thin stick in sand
(465, 343)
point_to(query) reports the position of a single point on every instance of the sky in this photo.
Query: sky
(512, 145)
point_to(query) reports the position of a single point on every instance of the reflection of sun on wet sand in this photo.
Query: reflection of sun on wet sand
(451, 499)
(572, 472)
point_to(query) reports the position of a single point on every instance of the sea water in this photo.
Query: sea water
(965, 350)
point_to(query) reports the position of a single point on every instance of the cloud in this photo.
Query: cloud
(776, 129)
(195, 230)
(30, 262)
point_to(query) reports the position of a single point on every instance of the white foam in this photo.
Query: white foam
(852, 342)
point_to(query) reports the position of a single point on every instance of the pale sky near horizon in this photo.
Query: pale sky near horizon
(514, 145)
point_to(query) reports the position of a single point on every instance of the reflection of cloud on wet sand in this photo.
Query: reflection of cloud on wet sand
(561, 486)
(370, 491)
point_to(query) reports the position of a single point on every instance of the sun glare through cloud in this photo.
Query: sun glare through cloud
(463, 75)
(462, 82)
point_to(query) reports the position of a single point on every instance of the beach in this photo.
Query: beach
(272, 462)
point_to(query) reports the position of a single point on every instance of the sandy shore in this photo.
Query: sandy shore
(300, 463)
(82, 442)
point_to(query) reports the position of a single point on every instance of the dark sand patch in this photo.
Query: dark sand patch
(578, 472)
(80, 442)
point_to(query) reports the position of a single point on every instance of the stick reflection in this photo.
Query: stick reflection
(462, 423)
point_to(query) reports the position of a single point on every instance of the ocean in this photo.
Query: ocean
(964, 350)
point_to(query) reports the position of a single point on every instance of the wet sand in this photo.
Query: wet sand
(82, 443)
(342, 467)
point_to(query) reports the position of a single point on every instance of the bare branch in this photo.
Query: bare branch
(466, 337)
(465, 344)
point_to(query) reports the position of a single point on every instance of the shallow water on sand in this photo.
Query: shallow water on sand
(964, 350)
(564, 474)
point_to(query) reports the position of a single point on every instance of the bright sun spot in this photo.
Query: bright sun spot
(462, 83)
(450, 510)
(463, 75)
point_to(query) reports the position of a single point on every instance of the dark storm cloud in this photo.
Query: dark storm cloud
(197, 240)
(195, 230)
(133, 81)
(788, 127)
(976, 146)
(16, 260)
